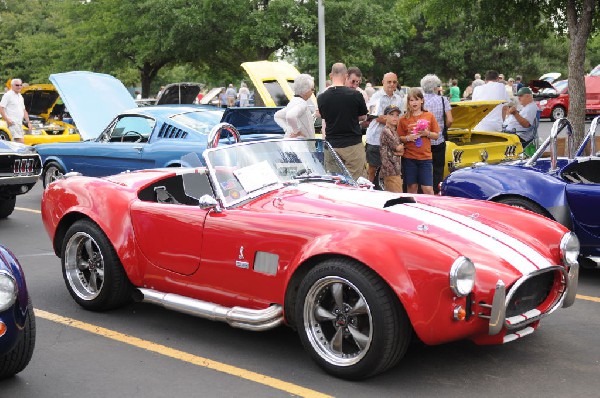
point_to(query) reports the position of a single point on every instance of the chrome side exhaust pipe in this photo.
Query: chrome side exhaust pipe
(239, 317)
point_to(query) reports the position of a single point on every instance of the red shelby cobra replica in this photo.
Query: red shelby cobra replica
(277, 232)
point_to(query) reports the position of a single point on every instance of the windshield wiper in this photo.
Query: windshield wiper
(305, 177)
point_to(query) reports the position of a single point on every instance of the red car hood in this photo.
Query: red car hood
(521, 241)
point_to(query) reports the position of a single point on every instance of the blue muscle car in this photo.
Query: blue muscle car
(121, 137)
(17, 321)
(566, 189)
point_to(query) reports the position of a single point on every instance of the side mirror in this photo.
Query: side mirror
(207, 202)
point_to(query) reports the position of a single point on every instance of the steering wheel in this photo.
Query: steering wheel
(215, 134)
(132, 133)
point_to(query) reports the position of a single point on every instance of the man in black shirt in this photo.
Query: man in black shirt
(342, 108)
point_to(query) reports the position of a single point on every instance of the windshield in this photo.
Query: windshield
(251, 169)
(201, 121)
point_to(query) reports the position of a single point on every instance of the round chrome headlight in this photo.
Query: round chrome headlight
(462, 276)
(8, 291)
(569, 248)
(543, 102)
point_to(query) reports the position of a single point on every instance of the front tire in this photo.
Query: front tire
(7, 206)
(18, 358)
(4, 136)
(52, 172)
(526, 204)
(92, 270)
(558, 112)
(350, 321)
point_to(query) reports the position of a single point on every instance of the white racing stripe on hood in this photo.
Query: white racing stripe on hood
(533, 255)
(363, 197)
(504, 246)
(424, 214)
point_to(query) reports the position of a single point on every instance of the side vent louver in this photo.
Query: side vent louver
(168, 131)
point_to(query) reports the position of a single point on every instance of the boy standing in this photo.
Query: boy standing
(391, 150)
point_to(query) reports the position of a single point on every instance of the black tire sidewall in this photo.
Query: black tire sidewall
(7, 206)
(362, 279)
(523, 204)
(102, 300)
(45, 171)
(19, 357)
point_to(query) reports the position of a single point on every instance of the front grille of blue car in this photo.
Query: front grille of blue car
(169, 131)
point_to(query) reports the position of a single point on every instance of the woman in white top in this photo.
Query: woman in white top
(296, 119)
(244, 95)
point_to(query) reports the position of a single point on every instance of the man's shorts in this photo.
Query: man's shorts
(354, 158)
(373, 155)
(16, 130)
(417, 172)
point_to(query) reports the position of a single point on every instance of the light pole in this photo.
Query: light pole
(321, 17)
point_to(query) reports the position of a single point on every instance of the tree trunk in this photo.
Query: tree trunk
(146, 81)
(579, 26)
(147, 74)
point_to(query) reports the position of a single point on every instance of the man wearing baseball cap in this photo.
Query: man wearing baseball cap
(522, 120)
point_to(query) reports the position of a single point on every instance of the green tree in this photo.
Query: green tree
(534, 20)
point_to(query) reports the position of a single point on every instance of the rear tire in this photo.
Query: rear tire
(92, 270)
(350, 321)
(7, 206)
(52, 172)
(4, 136)
(18, 358)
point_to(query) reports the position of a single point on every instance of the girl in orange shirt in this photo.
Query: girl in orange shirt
(417, 166)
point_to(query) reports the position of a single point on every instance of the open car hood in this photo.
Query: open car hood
(274, 82)
(550, 77)
(467, 114)
(39, 99)
(212, 93)
(179, 93)
(253, 120)
(92, 99)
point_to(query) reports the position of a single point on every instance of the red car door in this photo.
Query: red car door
(169, 235)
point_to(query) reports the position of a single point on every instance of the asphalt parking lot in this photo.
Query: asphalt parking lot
(146, 351)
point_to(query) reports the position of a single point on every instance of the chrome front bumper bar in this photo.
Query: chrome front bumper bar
(497, 318)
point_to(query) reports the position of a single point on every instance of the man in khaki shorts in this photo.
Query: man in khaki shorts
(342, 108)
(12, 109)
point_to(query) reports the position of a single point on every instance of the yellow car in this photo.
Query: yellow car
(274, 82)
(45, 110)
(466, 146)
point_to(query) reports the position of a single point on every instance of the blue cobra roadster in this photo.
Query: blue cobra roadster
(119, 136)
(566, 189)
(17, 321)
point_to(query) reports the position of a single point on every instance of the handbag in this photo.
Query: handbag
(445, 129)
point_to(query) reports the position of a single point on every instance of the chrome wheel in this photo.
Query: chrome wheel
(559, 112)
(338, 321)
(84, 266)
(52, 173)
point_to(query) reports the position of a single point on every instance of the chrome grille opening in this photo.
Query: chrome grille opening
(530, 294)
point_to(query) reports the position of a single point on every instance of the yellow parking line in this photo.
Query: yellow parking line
(29, 210)
(183, 356)
(588, 298)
